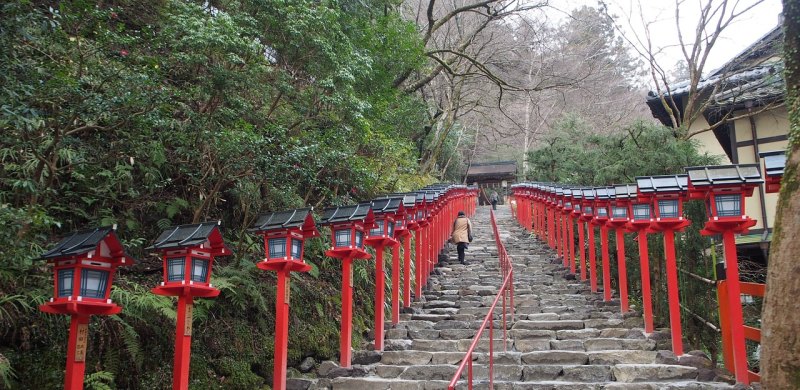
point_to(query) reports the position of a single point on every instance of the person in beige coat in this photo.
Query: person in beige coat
(461, 234)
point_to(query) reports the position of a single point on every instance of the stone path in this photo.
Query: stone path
(564, 337)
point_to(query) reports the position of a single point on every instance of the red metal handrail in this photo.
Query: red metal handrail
(506, 291)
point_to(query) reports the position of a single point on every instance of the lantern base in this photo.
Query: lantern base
(737, 226)
(675, 225)
(81, 308)
(284, 265)
(195, 291)
(380, 242)
(353, 253)
(617, 225)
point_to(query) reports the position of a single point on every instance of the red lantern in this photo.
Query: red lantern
(666, 194)
(188, 253)
(348, 230)
(84, 266)
(386, 211)
(724, 189)
(284, 235)
(774, 164)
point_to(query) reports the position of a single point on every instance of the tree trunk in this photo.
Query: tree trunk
(780, 360)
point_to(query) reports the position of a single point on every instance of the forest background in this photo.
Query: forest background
(149, 114)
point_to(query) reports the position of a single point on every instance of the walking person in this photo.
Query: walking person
(461, 234)
(495, 198)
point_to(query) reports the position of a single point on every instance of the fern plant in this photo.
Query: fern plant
(100, 380)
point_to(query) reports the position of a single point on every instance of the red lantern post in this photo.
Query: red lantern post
(84, 266)
(421, 220)
(386, 211)
(601, 205)
(620, 203)
(587, 204)
(284, 234)
(667, 194)
(188, 253)
(724, 189)
(348, 225)
(561, 226)
(641, 214)
(569, 249)
(577, 213)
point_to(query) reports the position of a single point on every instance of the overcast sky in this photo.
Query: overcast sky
(746, 30)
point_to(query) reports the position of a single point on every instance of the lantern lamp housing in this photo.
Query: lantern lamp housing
(724, 188)
(188, 253)
(386, 211)
(85, 263)
(774, 165)
(284, 234)
(348, 226)
(666, 193)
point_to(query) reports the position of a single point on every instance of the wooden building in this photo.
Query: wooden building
(492, 176)
(747, 101)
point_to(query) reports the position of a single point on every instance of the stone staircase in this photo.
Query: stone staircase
(564, 337)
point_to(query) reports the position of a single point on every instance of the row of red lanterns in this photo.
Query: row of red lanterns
(85, 263)
(654, 204)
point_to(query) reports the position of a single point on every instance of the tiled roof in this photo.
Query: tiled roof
(184, 236)
(78, 243)
(281, 220)
(493, 168)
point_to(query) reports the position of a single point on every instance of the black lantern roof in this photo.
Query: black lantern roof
(387, 205)
(287, 219)
(360, 212)
(85, 241)
(185, 236)
(421, 197)
(774, 162)
(559, 190)
(589, 194)
(724, 174)
(409, 198)
(666, 183)
(625, 191)
(604, 193)
(577, 193)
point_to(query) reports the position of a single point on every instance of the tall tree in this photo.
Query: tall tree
(714, 17)
(780, 361)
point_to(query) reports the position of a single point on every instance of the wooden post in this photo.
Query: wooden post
(346, 333)
(281, 330)
(623, 274)
(183, 343)
(606, 265)
(647, 295)
(76, 352)
(672, 293)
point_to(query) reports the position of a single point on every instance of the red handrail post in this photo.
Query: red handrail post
(346, 332)
(571, 245)
(396, 283)
(725, 325)
(581, 245)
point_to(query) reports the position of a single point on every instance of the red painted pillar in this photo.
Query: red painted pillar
(380, 288)
(725, 325)
(735, 308)
(571, 245)
(644, 265)
(281, 331)
(592, 260)
(606, 264)
(76, 352)
(581, 245)
(418, 262)
(346, 333)
(672, 293)
(396, 283)
(183, 343)
(564, 240)
(407, 271)
(623, 273)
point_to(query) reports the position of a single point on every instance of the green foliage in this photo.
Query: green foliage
(572, 154)
(174, 111)
(100, 380)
